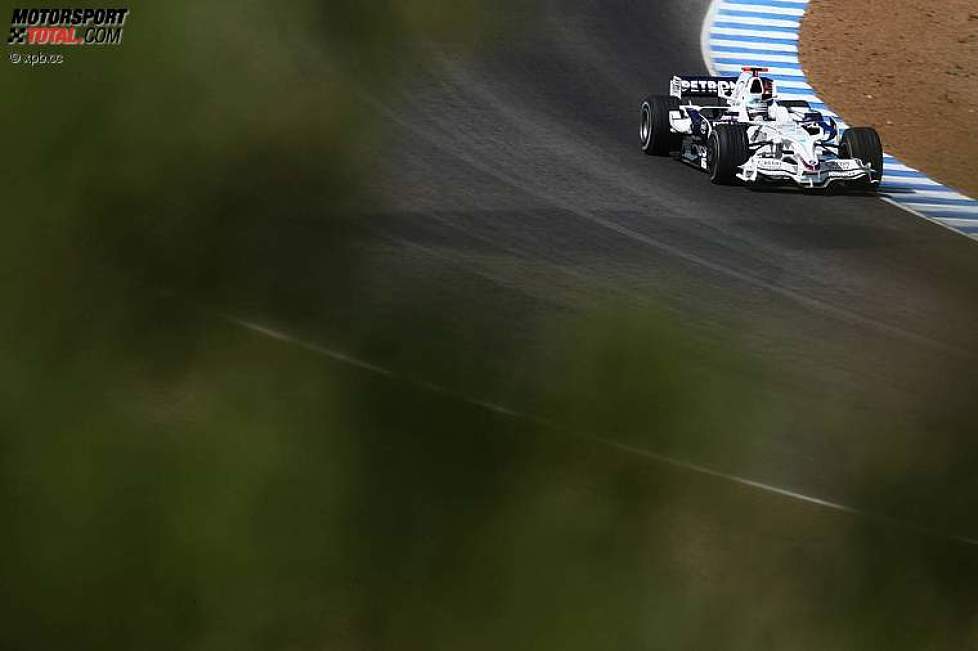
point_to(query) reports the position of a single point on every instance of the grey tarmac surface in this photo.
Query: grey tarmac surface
(510, 191)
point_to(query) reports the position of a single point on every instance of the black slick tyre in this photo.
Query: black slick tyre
(864, 143)
(654, 133)
(726, 151)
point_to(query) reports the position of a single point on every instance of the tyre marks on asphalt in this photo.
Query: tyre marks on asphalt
(527, 186)
(649, 455)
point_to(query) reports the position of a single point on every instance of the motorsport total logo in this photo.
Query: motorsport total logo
(52, 26)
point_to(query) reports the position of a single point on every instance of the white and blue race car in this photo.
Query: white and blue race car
(739, 129)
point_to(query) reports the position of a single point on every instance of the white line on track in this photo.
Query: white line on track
(934, 220)
(949, 221)
(628, 449)
(706, 49)
(367, 366)
(937, 207)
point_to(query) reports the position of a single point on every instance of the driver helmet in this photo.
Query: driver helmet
(760, 95)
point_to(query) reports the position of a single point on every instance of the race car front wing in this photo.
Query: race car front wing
(827, 172)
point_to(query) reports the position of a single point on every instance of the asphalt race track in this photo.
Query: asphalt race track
(510, 189)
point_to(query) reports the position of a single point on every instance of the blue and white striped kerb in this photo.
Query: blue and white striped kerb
(764, 33)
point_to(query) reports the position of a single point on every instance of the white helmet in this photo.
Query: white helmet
(759, 96)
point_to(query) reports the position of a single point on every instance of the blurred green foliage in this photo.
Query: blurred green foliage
(170, 481)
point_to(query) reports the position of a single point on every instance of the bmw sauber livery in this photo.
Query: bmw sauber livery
(738, 129)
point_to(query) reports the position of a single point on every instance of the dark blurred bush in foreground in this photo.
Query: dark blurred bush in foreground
(231, 491)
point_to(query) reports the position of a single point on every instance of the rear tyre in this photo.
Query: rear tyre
(864, 143)
(726, 151)
(654, 132)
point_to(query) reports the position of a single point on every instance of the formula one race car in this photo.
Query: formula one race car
(738, 129)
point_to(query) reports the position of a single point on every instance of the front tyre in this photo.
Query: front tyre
(726, 152)
(864, 143)
(655, 133)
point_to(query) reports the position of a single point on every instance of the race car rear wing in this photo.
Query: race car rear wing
(702, 88)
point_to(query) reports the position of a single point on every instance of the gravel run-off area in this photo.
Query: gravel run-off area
(908, 68)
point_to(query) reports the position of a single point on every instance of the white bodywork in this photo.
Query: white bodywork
(788, 141)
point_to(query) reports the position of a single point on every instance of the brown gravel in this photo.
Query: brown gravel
(908, 68)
